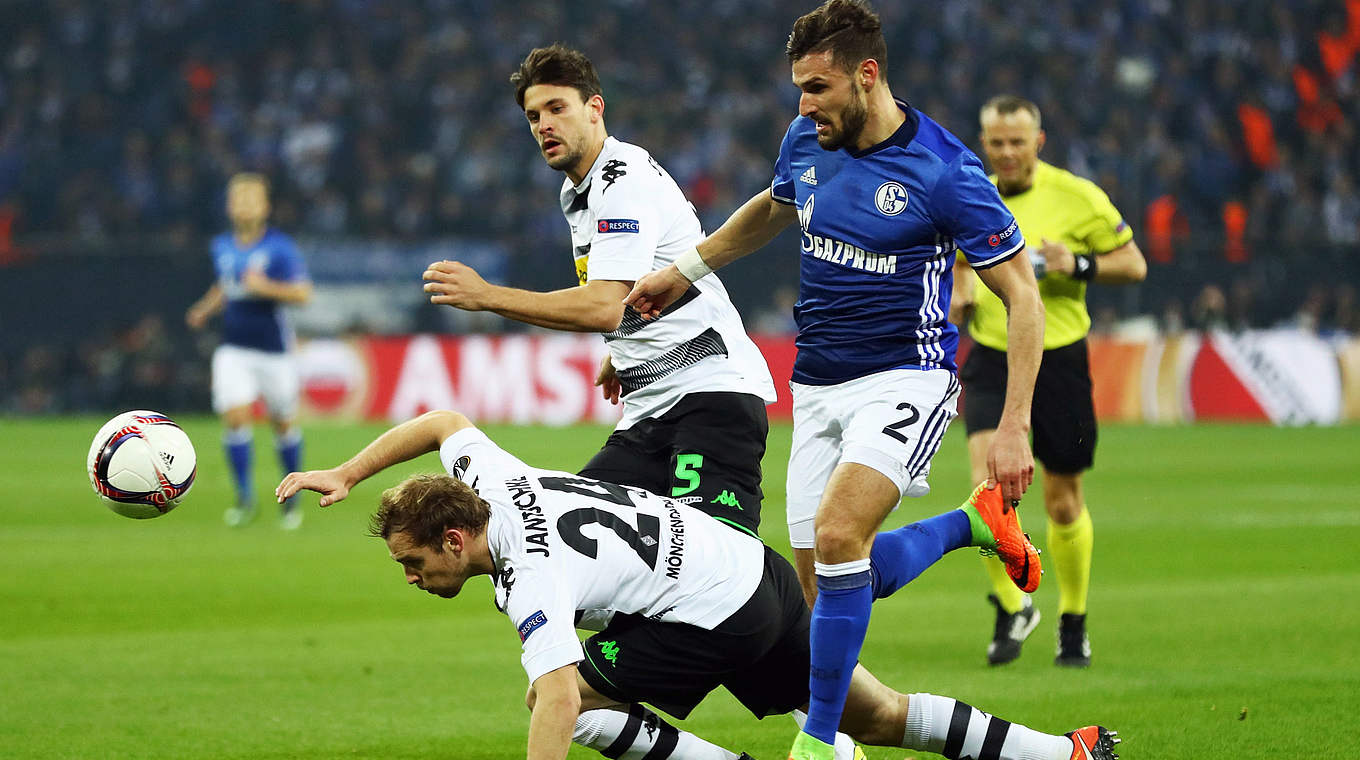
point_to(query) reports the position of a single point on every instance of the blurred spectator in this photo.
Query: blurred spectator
(1229, 131)
(396, 119)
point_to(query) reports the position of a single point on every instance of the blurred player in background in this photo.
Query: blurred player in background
(259, 272)
(694, 387)
(1084, 239)
(874, 386)
(698, 605)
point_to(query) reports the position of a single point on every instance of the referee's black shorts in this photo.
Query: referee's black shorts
(1063, 417)
(705, 451)
(760, 653)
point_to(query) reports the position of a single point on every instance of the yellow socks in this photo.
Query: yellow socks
(1069, 549)
(1011, 597)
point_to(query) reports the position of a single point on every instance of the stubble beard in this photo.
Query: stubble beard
(853, 119)
(565, 161)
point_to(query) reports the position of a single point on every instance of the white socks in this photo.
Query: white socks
(954, 729)
(641, 733)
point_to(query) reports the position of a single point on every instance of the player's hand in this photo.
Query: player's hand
(196, 317)
(455, 284)
(330, 484)
(1057, 257)
(656, 290)
(254, 282)
(608, 381)
(961, 305)
(1010, 463)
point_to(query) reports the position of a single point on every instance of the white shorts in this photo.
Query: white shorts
(241, 375)
(890, 421)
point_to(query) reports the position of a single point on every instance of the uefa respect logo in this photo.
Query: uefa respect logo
(619, 225)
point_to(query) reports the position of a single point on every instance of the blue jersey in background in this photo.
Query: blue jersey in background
(247, 321)
(880, 228)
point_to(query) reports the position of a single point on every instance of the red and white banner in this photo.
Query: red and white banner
(1286, 377)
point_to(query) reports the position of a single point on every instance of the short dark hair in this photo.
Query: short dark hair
(1004, 104)
(848, 28)
(556, 64)
(424, 506)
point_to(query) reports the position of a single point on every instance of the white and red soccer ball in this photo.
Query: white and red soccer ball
(141, 464)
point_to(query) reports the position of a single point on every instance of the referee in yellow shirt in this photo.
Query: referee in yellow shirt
(1084, 239)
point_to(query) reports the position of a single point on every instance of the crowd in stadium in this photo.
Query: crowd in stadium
(1226, 132)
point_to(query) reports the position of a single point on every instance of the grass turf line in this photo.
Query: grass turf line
(1225, 576)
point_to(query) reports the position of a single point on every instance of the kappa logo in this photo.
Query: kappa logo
(613, 169)
(891, 198)
(810, 176)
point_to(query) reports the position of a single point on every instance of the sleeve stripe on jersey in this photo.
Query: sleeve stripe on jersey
(781, 199)
(1000, 257)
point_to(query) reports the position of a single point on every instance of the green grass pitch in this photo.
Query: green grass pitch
(1224, 613)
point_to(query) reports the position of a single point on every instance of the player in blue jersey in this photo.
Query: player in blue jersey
(885, 198)
(259, 271)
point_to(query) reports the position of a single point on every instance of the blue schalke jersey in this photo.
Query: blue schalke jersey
(878, 248)
(247, 321)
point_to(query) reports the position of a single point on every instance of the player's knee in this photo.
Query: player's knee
(236, 418)
(1062, 498)
(838, 541)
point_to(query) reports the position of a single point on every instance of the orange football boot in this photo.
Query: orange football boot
(1012, 544)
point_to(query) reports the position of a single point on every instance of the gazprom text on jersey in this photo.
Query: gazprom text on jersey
(841, 252)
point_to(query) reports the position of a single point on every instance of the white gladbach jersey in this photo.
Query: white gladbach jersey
(628, 218)
(562, 544)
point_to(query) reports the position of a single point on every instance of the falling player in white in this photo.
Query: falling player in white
(696, 605)
(693, 385)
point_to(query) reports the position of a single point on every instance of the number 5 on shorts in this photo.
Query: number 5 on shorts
(912, 416)
(687, 469)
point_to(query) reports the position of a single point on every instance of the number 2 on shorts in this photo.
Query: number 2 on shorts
(912, 416)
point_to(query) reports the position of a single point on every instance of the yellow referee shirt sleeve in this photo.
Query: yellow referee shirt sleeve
(1105, 229)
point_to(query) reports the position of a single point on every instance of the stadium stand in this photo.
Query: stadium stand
(1228, 132)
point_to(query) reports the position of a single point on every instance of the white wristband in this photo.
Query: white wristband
(692, 265)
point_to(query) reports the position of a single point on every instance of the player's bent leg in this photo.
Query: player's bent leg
(857, 499)
(631, 731)
(1070, 541)
(899, 556)
(805, 563)
(876, 714)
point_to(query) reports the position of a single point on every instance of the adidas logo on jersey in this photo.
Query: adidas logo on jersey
(810, 176)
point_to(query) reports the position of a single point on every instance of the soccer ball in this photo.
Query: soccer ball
(141, 464)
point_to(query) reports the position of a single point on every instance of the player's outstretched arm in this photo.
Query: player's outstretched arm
(750, 227)
(205, 308)
(1009, 460)
(406, 441)
(556, 706)
(593, 307)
